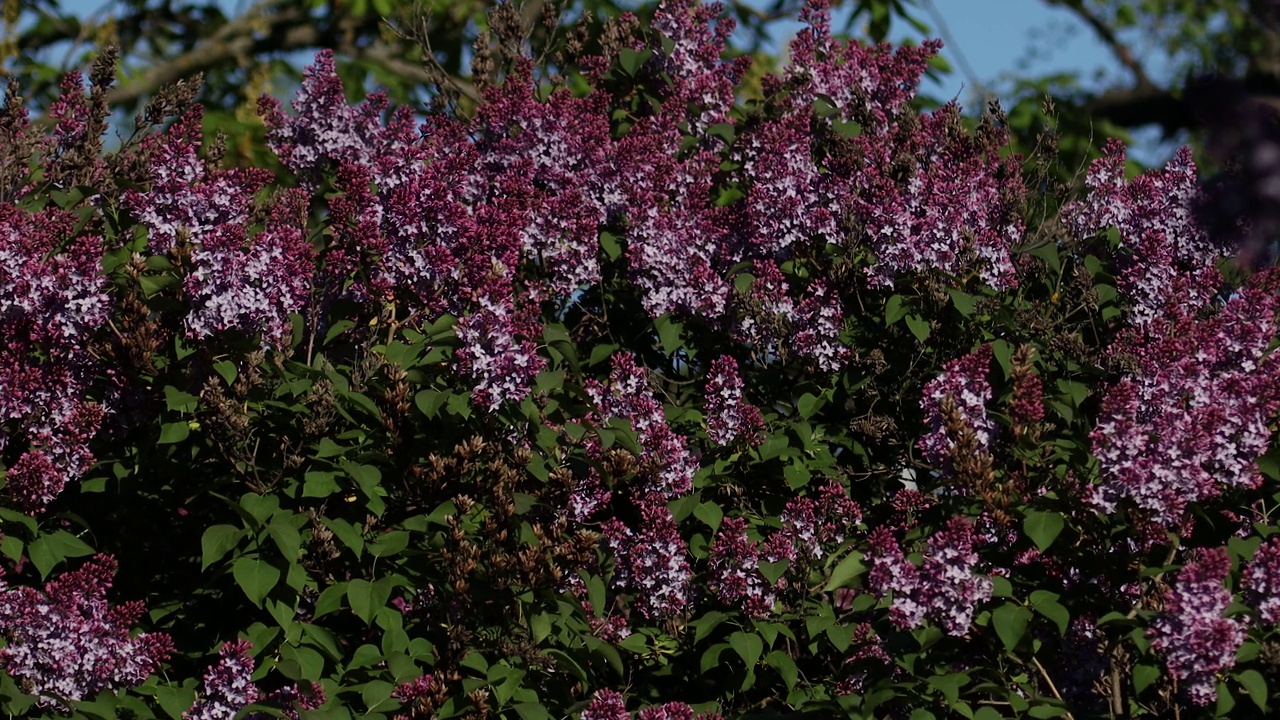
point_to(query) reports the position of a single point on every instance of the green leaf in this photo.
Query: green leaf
(918, 327)
(47, 551)
(1056, 612)
(179, 401)
(1143, 676)
(632, 60)
(949, 685)
(347, 532)
(963, 301)
(848, 569)
(286, 538)
(1010, 621)
(318, 484)
(705, 624)
(429, 402)
(807, 405)
(748, 646)
(772, 446)
(174, 432)
(847, 128)
(532, 711)
(709, 513)
(1046, 711)
(613, 250)
(1256, 686)
(774, 570)
(227, 370)
(310, 663)
(376, 694)
(330, 599)
(797, 474)
(539, 626)
(389, 543)
(175, 700)
(684, 506)
(1049, 254)
(711, 657)
(218, 540)
(1042, 527)
(255, 576)
(669, 332)
(367, 598)
(785, 666)
(894, 310)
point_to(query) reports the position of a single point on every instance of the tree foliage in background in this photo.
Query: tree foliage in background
(644, 384)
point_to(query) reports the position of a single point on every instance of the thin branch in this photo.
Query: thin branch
(1052, 688)
(1109, 38)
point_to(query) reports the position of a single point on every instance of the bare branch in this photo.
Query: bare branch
(1109, 38)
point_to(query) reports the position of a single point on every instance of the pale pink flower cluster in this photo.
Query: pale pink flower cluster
(946, 588)
(1192, 634)
(69, 643)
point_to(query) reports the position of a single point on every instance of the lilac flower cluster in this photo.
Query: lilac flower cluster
(1170, 257)
(652, 561)
(1196, 640)
(729, 418)
(864, 645)
(809, 528)
(628, 397)
(1194, 415)
(234, 282)
(775, 323)
(734, 570)
(609, 705)
(1261, 581)
(964, 380)
(52, 298)
(228, 685)
(921, 192)
(69, 643)
(702, 84)
(945, 589)
(417, 215)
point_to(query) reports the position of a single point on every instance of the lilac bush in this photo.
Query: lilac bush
(645, 384)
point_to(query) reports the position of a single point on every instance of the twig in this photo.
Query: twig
(1109, 38)
(1052, 688)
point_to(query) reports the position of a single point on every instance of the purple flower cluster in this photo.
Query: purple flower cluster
(775, 323)
(52, 299)
(944, 589)
(69, 643)
(964, 380)
(651, 562)
(1196, 640)
(628, 397)
(609, 705)
(810, 527)
(1170, 257)
(1261, 581)
(228, 685)
(734, 570)
(729, 418)
(1195, 414)
(250, 284)
(921, 192)
(446, 216)
(864, 645)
